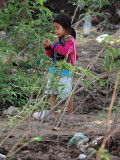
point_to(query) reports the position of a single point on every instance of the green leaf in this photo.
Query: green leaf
(58, 97)
(20, 10)
(29, 13)
(40, 2)
(48, 11)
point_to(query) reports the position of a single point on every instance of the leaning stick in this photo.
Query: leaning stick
(16, 144)
(112, 102)
(104, 142)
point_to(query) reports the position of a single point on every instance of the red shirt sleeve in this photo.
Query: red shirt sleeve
(50, 52)
(67, 49)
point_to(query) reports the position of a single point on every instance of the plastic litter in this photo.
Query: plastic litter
(37, 139)
(40, 115)
(78, 137)
(82, 156)
(101, 37)
(118, 12)
(84, 52)
(2, 156)
(81, 142)
(87, 25)
(96, 141)
(84, 148)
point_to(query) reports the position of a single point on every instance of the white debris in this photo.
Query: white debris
(118, 12)
(84, 52)
(40, 115)
(95, 141)
(2, 156)
(82, 142)
(82, 156)
(84, 148)
(101, 37)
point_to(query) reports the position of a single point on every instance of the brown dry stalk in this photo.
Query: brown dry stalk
(77, 23)
(23, 145)
(95, 59)
(87, 68)
(74, 14)
(112, 102)
(16, 144)
(104, 142)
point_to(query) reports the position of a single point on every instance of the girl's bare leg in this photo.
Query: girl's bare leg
(70, 106)
(70, 109)
(53, 102)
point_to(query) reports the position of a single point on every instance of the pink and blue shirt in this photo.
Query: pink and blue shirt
(69, 48)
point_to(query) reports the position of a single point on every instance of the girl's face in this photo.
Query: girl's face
(59, 30)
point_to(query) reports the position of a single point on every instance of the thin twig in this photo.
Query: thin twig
(77, 23)
(19, 54)
(23, 145)
(112, 102)
(16, 144)
(105, 141)
(74, 14)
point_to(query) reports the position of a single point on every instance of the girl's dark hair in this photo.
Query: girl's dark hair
(65, 21)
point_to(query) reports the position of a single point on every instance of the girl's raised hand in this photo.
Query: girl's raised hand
(46, 43)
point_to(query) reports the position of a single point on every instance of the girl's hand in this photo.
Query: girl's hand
(46, 43)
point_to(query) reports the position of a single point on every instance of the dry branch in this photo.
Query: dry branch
(112, 102)
(105, 141)
(16, 144)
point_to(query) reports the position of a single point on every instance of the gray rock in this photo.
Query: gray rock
(10, 111)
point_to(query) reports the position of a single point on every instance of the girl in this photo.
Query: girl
(63, 49)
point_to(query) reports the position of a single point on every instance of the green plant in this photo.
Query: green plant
(112, 53)
(105, 154)
(25, 24)
(92, 7)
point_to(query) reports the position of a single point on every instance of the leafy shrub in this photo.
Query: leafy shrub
(22, 56)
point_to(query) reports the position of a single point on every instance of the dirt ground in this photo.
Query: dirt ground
(54, 145)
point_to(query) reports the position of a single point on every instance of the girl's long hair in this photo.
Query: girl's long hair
(65, 21)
